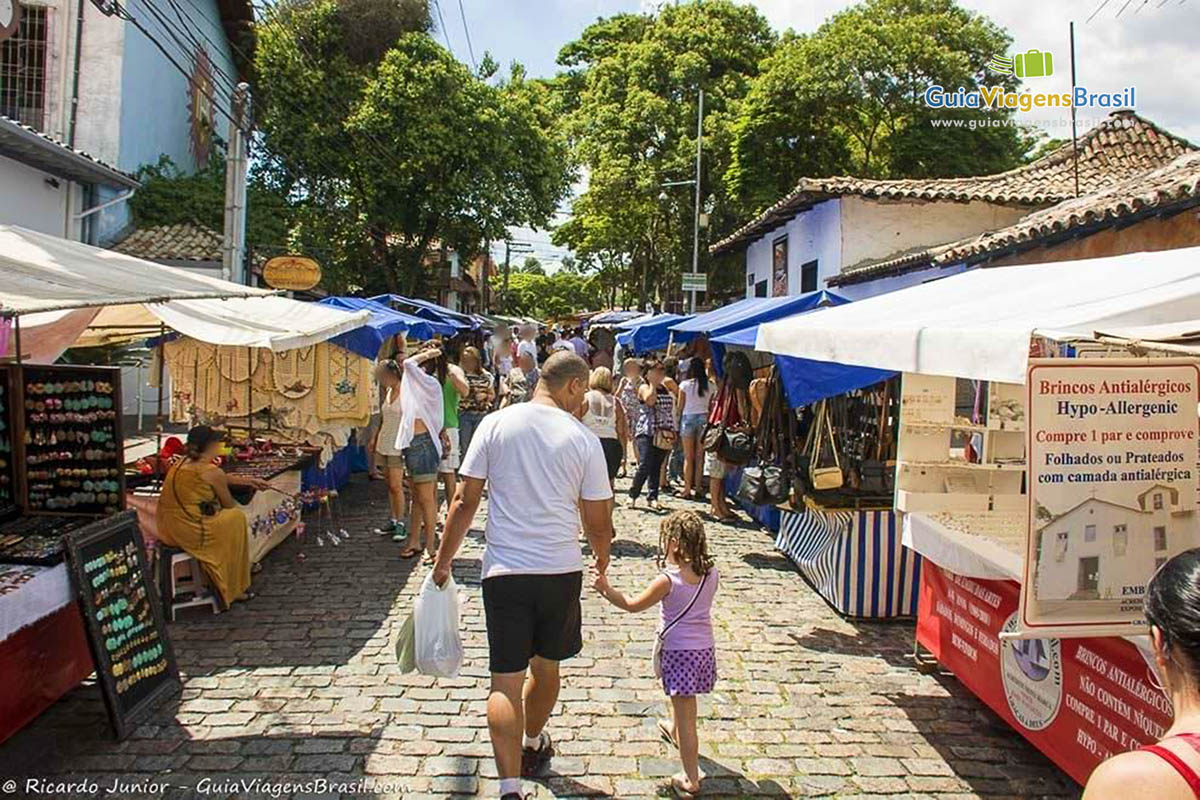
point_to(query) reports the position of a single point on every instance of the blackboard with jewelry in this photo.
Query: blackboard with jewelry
(135, 664)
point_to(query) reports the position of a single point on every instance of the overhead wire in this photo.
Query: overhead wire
(467, 31)
(442, 24)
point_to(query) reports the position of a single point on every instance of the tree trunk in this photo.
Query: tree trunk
(383, 254)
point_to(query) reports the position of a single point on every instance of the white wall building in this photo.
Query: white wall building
(861, 237)
(1103, 550)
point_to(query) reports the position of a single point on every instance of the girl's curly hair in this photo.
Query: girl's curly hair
(686, 528)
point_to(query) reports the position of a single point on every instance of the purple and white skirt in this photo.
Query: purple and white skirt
(689, 672)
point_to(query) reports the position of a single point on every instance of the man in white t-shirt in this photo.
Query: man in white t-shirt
(544, 471)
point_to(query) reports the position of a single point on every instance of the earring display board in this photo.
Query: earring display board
(126, 630)
(70, 439)
(8, 471)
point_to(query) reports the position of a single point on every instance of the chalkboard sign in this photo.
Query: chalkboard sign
(134, 661)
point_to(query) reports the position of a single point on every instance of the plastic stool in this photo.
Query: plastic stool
(184, 582)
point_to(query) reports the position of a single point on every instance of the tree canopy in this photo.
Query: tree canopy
(387, 145)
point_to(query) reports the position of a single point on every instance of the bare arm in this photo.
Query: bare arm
(646, 393)
(651, 596)
(622, 423)
(458, 522)
(458, 378)
(597, 527)
(219, 481)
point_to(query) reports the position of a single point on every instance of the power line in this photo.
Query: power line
(1099, 8)
(467, 31)
(442, 24)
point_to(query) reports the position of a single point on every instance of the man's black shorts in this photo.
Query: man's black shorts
(532, 615)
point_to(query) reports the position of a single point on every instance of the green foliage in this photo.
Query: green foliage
(532, 266)
(391, 146)
(550, 296)
(629, 93)
(171, 197)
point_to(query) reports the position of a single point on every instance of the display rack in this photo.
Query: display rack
(948, 462)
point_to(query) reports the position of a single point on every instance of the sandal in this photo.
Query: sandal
(409, 552)
(257, 568)
(244, 597)
(680, 789)
(533, 762)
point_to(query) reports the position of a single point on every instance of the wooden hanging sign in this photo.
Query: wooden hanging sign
(292, 273)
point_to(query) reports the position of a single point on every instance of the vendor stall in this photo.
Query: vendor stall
(965, 344)
(61, 447)
(647, 334)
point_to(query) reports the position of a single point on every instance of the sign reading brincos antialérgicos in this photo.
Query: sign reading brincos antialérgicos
(1112, 455)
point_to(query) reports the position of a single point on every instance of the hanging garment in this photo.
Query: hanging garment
(343, 385)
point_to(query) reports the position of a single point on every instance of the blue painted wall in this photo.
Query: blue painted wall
(155, 119)
(154, 102)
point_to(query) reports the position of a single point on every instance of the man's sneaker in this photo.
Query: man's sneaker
(400, 532)
(534, 761)
(516, 796)
(386, 530)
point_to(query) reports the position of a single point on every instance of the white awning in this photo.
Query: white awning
(39, 272)
(276, 323)
(977, 324)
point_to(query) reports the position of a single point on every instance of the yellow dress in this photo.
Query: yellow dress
(220, 543)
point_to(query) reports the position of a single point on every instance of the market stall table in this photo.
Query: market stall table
(1079, 701)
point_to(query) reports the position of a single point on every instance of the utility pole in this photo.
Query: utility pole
(511, 246)
(233, 248)
(696, 223)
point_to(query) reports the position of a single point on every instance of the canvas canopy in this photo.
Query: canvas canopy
(977, 324)
(614, 317)
(39, 272)
(382, 324)
(428, 310)
(653, 333)
(751, 311)
(276, 323)
(805, 381)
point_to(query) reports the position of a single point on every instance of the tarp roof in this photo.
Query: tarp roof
(614, 317)
(383, 324)
(276, 323)
(751, 311)
(977, 324)
(650, 333)
(39, 272)
(429, 310)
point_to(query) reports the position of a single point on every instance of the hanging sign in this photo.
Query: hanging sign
(293, 273)
(1112, 451)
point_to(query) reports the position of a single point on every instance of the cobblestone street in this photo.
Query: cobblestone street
(301, 684)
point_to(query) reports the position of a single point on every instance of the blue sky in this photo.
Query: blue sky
(1145, 43)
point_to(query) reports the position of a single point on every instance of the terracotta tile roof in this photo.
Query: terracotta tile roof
(184, 242)
(1122, 146)
(1175, 185)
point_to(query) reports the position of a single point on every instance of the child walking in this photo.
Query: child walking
(686, 659)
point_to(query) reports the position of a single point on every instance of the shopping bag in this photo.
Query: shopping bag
(439, 649)
(406, 646)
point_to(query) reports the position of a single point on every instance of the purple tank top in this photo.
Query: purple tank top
(694, 631)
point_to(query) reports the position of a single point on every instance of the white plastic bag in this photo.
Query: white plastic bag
(435, 619)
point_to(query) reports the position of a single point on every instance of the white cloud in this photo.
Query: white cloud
(1151, 49)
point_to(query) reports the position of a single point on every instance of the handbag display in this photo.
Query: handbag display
(824, 479)
(769, 483)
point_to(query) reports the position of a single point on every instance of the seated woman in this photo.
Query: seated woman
(196, 513)
(1170, 769)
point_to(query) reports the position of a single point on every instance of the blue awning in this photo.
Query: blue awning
(752, 311)
(650, 334)
(805, 381)
(633, 322)
(382, 325)
(429, 310)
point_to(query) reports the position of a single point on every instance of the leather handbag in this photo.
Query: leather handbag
(824, 479)
(737, 447)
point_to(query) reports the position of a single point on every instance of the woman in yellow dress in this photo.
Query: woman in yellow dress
(196, 513)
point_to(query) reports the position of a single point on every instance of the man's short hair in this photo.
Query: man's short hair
(562, 367)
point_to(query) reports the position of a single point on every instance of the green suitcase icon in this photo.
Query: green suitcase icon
(1033, 64)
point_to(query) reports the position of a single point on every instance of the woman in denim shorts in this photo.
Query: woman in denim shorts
(423, 440)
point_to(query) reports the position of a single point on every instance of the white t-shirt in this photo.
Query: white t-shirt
(693, 401)
(539, 462)
(420, 399)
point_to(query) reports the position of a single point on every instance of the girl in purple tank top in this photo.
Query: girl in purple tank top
(684, 593)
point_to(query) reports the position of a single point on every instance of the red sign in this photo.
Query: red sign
(1079, 701)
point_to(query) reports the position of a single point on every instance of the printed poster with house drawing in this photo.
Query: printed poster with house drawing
(1112, 485)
